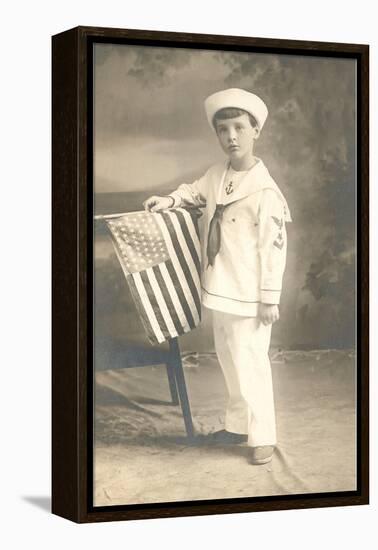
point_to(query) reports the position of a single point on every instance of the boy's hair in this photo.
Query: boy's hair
(232, 112)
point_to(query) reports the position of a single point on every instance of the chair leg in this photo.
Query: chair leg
(172, 384)
(176, 363)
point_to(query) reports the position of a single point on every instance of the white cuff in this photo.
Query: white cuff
(176, 198)
(270, 296)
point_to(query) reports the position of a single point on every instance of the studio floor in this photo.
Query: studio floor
(142, 455)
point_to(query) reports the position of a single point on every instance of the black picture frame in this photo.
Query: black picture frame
(72, 289)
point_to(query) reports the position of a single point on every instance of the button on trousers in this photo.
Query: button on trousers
(242, 345)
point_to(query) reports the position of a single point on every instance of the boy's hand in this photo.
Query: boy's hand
(156, 203)
(268, 313)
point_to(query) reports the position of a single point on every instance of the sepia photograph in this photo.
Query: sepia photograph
(190, 343)
(224, 274)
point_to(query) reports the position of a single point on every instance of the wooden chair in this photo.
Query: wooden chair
(144, 356)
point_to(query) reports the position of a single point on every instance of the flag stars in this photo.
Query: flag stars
(139, 241)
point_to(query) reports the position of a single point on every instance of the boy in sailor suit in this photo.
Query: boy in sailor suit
(243, 261)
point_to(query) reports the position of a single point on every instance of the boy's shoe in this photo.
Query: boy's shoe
(261, 455)
(223, 437)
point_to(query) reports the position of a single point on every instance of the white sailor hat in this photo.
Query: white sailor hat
(237, 98)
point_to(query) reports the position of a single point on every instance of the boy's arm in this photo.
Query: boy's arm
(190, 194)
(272, 246)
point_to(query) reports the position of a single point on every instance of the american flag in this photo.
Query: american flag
(160, 257)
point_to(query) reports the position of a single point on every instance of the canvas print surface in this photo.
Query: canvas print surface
(224, 274)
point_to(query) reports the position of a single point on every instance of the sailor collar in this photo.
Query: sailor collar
(256, 179)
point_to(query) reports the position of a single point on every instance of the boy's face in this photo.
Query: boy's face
(236, 136)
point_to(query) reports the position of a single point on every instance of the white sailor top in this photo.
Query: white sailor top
(250, 264)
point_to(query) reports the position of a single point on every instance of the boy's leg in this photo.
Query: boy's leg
(249, 341)
(237, 417)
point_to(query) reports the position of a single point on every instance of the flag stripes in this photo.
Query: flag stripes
(150, 296)
(173, 277)
(167, 291)
(188, 230)
(175, 311)
(179, 251)
(185, 284)
(144, 308)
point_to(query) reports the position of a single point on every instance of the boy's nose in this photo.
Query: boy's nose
(231, 136)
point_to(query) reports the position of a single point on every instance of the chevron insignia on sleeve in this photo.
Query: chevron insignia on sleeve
(278, 221)
(278, 245)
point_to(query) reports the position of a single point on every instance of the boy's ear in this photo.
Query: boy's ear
(257, 132)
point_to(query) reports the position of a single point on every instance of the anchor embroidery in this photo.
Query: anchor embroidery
(229, 188)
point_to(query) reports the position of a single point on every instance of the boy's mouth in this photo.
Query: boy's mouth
(233, 147)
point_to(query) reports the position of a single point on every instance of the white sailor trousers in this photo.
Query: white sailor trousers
(242, 345)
